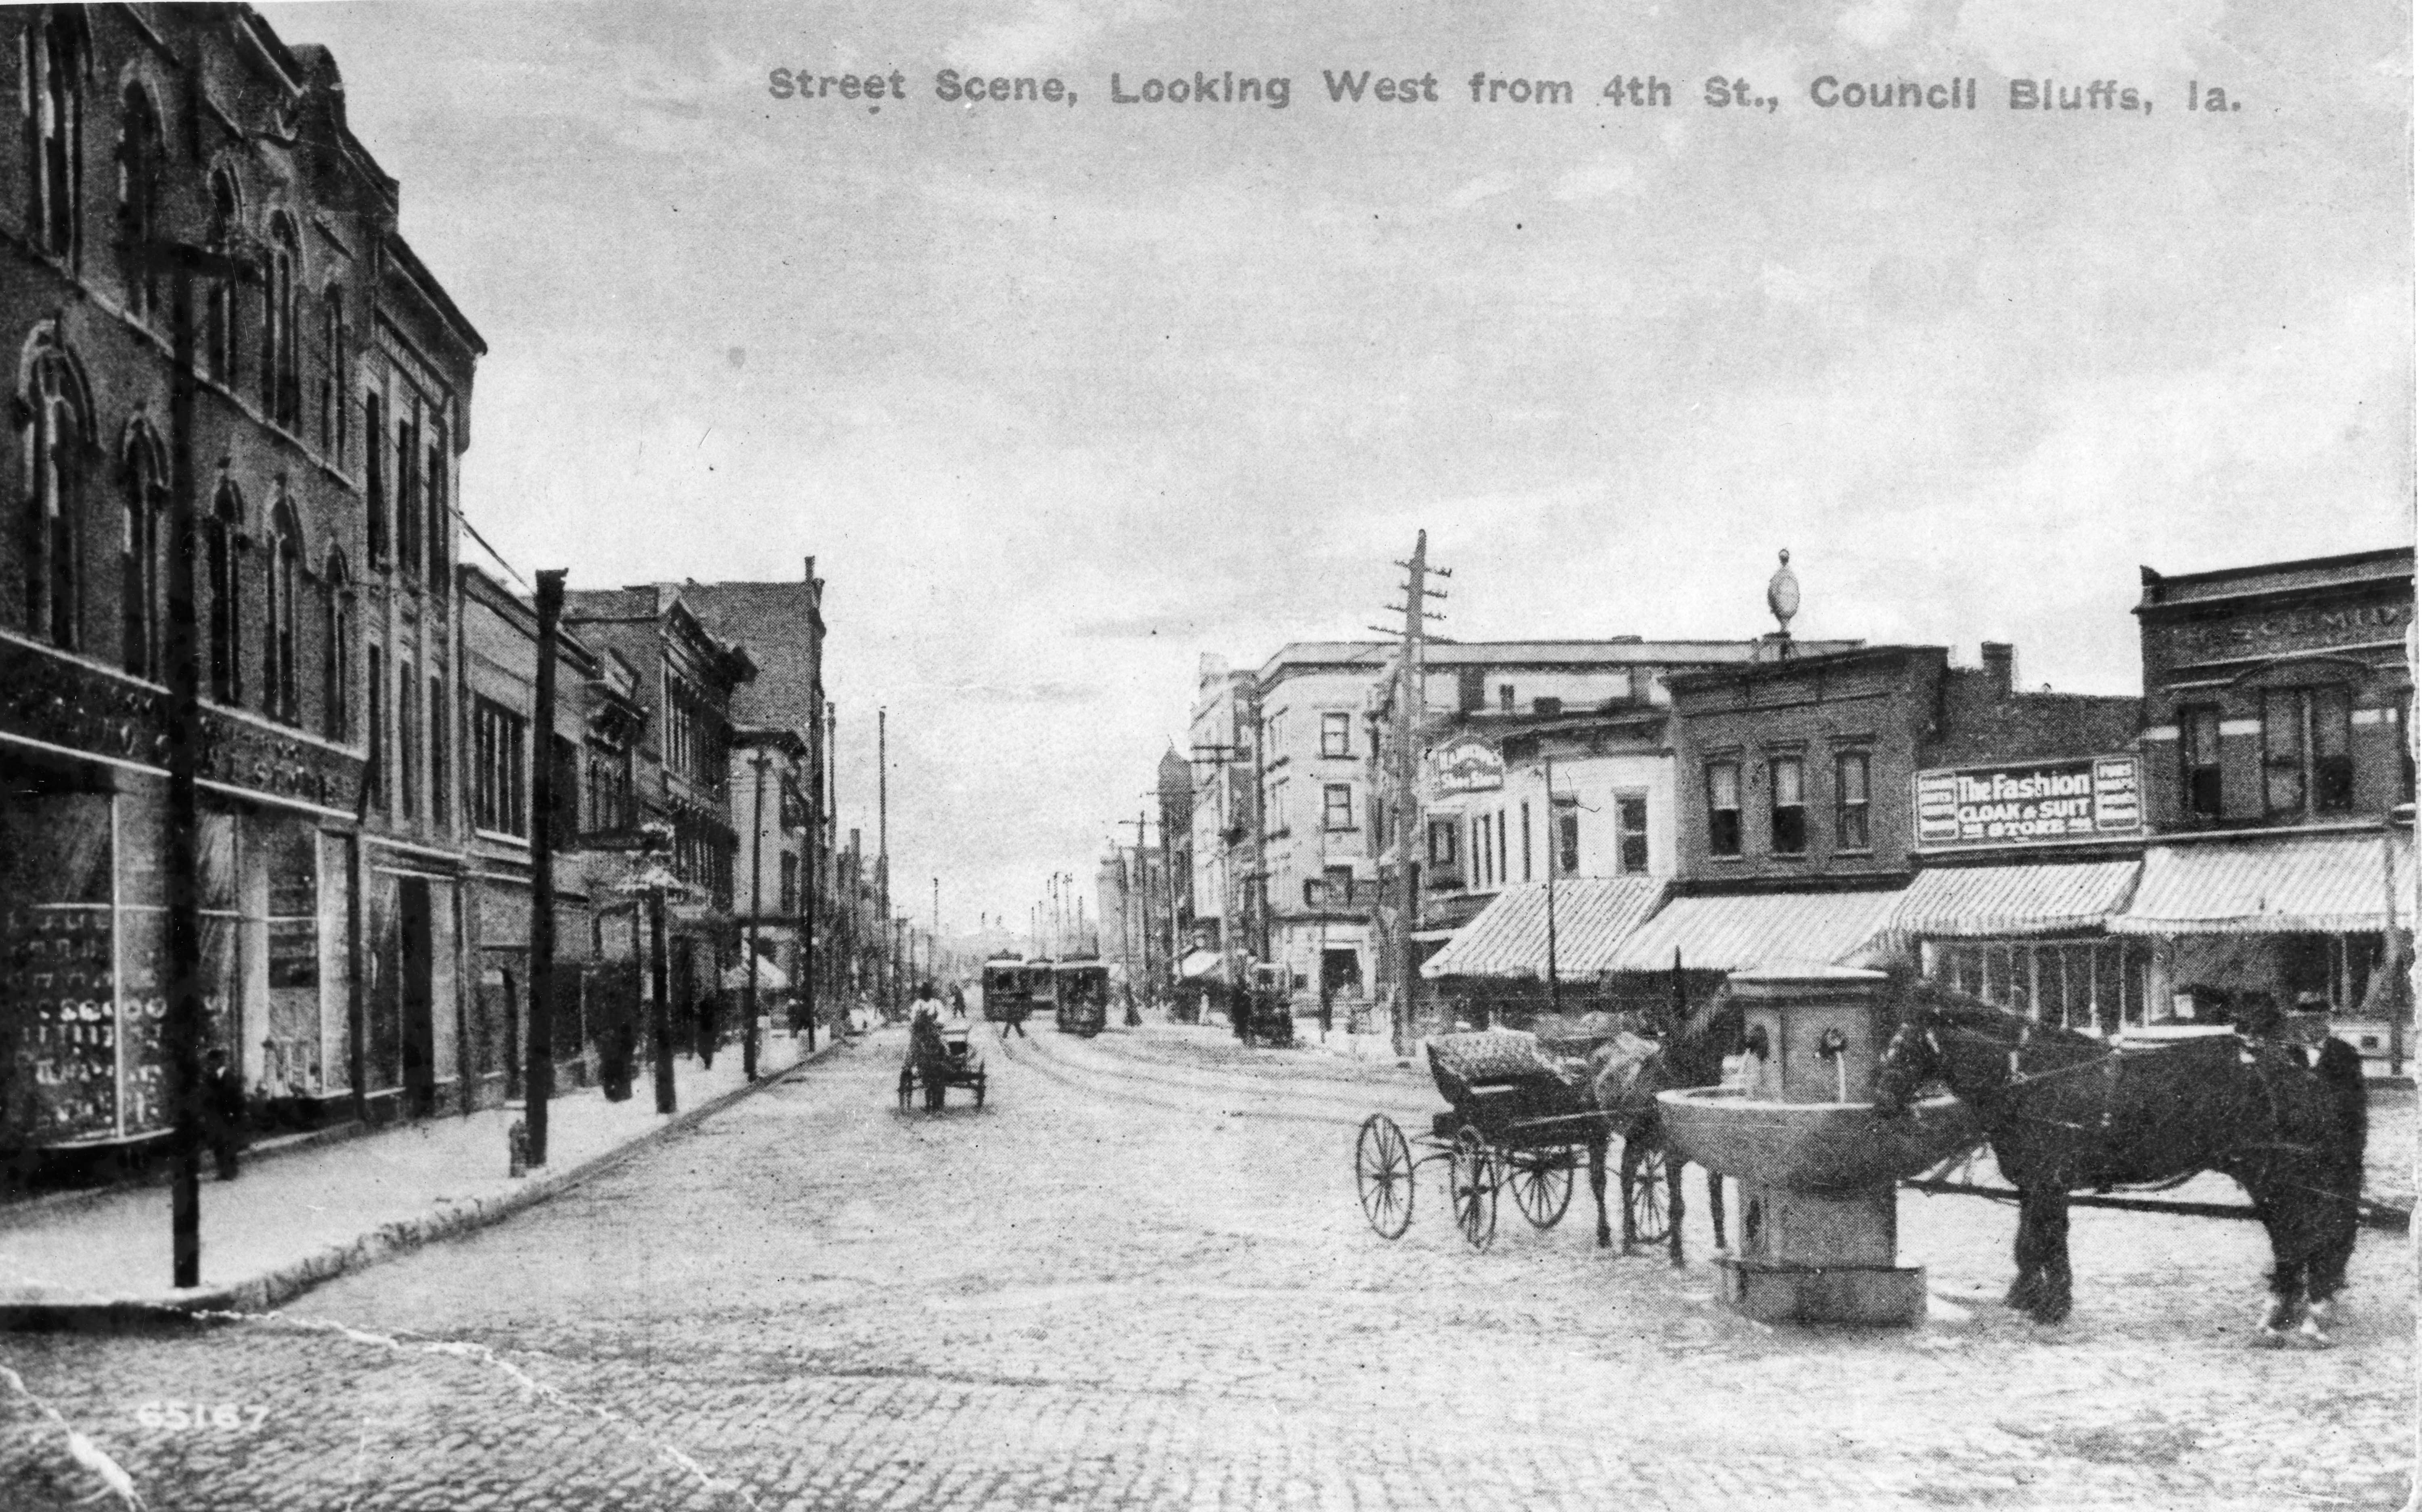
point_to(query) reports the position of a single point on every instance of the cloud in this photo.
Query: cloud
(1876, 23)
(2028, 38)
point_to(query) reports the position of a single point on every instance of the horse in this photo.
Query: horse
(1628, 1072)
(2066, 1111)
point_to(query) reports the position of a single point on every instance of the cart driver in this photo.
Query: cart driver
(925, 1022)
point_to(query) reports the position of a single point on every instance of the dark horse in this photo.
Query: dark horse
(1627, 1075)
(2066, 1111)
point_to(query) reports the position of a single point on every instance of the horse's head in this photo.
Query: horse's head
(1913, 1057)
(1622, 1077)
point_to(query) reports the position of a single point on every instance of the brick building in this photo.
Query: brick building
(1806, 786)
(2279, 777)
(334, 379)
(682, 773)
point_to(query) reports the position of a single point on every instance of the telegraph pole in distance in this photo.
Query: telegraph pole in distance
(1410, 716)
(883, 842)
(538, 1073)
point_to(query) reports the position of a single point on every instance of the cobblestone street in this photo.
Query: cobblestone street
(1138, 1279)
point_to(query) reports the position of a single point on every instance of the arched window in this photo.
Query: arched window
(332, 375)
(335, 700)
(218, 308)
(139, 566)
(62, 439)
(280, 684)
(138, 200)
(225, 529)
(281, 384)
(56, 95)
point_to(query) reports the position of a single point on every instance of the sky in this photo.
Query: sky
(1062, 396)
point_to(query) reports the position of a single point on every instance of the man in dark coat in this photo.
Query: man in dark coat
(223, 1111)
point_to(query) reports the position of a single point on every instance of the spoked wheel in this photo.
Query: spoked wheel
(980, 1089)
(1473, 1175)
(1651, 1219)
(1383, 1176)
(1543, 1187)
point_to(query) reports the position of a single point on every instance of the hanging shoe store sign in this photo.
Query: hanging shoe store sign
(2029, 803)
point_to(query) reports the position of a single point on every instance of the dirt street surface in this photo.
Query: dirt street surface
(1138, 1278)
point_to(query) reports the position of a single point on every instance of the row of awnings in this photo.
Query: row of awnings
(2269, 884)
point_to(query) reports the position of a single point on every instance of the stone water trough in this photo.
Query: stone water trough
(1819, 1235)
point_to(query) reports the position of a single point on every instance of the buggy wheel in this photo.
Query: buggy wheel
(1473, 1175)
(1383, 1176)
(1543, 1186)
(907, 1087)
(980, 1089)
(1651, 1219)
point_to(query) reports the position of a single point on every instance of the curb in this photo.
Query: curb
(263, 1292)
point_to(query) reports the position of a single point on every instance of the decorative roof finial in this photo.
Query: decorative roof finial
(1782, 595)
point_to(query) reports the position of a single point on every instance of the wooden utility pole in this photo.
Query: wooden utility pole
(890, 990)
(761, 761)
(538, 1075)
(660, 989)
(1410, 716)
(1555, 996)
(181, 843)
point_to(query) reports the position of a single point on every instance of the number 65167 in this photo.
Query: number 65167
(220, 1416)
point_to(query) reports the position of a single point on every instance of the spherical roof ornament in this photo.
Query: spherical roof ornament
(1783, 595)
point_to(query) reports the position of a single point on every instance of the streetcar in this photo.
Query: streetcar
(1081, 995)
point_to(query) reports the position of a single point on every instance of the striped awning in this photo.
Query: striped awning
(2273, 884)
(2007, 901)
(1740, 931)
(1509, 938)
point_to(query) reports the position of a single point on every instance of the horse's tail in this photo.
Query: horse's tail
(2341, 1071)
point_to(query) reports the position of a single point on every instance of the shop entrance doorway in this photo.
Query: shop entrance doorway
(419, 1025)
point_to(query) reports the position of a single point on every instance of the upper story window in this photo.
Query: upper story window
(2199, 761)
(1337, 734)
(218, 305)
(139, 157)
(332, 375)
(335, 697)
(1274, 735)
(2307, 752)
(55, 496)
(1724, 809)
(281, 680)
(407, 490)
(407, 741)
(226, 533)
(1851, 828)
(441, 533)
(1338, 883)
(499, 774)
(1274, 813)
(2399, 715)
(1631, 834)
(374, 473)
(1443, 836)
(139, 565)
(1565, 817)
(57, 94)
(1526, 841)
(1337, 806)
(1790, 805)
(281, 374)
(1505, 698)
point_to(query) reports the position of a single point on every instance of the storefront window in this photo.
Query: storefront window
(289, 1063)
(58, 1016)
(2095, 986)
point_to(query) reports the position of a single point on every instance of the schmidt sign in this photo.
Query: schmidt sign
(2087, 798)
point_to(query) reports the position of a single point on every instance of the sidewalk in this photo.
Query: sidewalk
(288, 1224)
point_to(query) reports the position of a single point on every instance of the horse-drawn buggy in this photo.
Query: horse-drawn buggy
(1521, 1115)
(939, 1059)
(1264, 1012)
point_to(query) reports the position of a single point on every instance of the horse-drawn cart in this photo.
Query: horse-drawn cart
(939, 1059)
(1520, 1117)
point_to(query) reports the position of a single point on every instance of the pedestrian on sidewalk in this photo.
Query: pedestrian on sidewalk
(707, 1027)
(958, 1001)
(223, 1113)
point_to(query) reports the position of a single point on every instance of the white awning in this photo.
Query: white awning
(1743, 931)
(1198, 964)
(770, 978)
(2287, 884)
